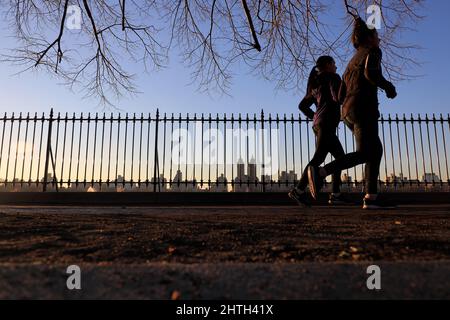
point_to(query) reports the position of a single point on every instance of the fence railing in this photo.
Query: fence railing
(161, 152)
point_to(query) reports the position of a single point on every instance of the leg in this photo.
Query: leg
(372, 168)
(301, 185)
(351, 159)
(337, 152)
(364, 133)
(369, 150)
(298, 193)
(322, 149)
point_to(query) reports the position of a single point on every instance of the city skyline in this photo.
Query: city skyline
(244, 181)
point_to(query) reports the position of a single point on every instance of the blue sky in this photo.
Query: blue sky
(169, 89)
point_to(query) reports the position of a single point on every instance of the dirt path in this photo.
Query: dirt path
(224, 252)
(206, 235)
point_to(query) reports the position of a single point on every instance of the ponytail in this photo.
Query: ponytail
(312, 79)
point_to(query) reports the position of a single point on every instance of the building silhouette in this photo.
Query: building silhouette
(246, 182)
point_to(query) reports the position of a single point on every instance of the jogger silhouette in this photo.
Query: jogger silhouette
(359, 94)
(322, 90)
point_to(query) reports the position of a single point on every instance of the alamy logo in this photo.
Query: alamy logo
(374, 19)
(209, 148)
(374, 280)
(73, 21)
(74, 280)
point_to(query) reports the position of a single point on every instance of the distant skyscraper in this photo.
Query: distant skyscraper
(221, 185)
(251, 170)
(289, 177)
(240, 170)
(178, 177)
(430, 177)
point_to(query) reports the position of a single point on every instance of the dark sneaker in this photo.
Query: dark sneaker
(339, 200)
(377, 204)
(300, 197)
(315, 181)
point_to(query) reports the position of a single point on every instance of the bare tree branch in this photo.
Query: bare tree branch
(250, 24)
(212, 38)
(56, 41)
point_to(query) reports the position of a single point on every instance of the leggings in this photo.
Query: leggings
(327, 142)
(369, 150)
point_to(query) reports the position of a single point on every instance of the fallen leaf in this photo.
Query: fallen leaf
(171, 249)
(343, 254)
(175, 295)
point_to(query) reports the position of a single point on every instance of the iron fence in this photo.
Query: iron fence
(221, 153)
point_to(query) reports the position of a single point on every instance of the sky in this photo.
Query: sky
(170, 91)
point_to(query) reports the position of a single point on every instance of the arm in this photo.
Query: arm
(305, 106)
(342, 92)
(343, 88)
(374, 74)
(335, 86)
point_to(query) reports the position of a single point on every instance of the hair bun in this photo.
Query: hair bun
(360, 32)
(359, 22)
(360, 25)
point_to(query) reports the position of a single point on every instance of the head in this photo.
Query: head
(323, 64)
(326, 64)
(363, 36)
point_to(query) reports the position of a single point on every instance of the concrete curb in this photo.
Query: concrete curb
(195, 198)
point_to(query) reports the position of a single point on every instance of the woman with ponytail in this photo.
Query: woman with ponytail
(322, 90)
(359, 94)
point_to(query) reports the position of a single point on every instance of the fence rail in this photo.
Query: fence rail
(261, 153)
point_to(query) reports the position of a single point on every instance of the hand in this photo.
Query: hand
(391, 92)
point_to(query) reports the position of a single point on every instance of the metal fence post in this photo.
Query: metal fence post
(47, 153)
(263, 154)
(156, 153)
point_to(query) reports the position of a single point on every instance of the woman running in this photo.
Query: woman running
(322, 90)
(359, 93)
